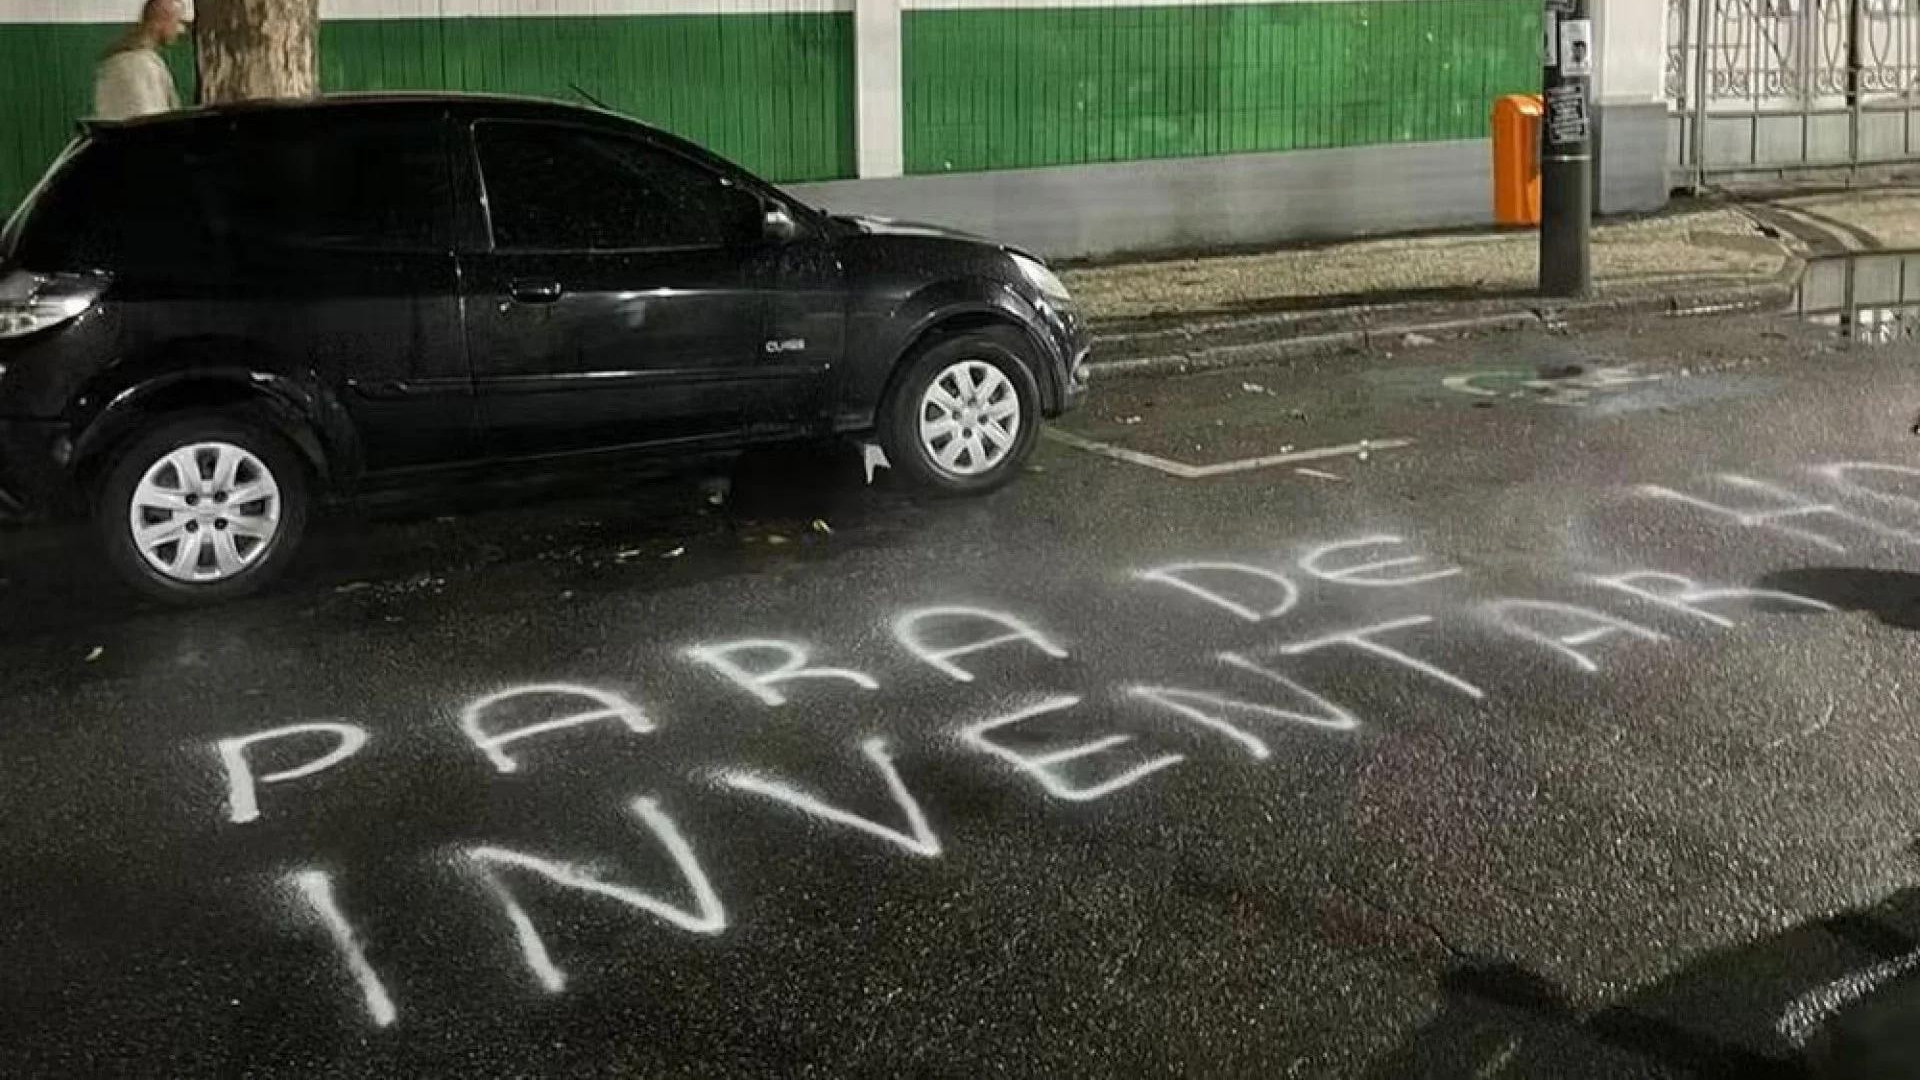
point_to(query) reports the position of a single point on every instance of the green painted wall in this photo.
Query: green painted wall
(773, 92)
(990, 89)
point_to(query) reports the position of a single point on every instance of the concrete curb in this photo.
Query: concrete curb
(1772, 292)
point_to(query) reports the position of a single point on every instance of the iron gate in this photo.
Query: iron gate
(1775, 85)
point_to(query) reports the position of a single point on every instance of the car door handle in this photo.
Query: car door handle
(535, 291)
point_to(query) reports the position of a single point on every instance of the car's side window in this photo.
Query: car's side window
(367, 185)
(559, 188)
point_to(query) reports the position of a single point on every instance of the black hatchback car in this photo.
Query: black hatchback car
(213, 320)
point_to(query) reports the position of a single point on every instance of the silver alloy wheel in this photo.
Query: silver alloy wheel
(204, 512)
(969, 418)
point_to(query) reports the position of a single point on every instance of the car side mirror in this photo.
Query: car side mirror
(778, 225)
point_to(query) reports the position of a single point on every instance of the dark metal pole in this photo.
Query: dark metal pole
(1855, 28)
(1701, 54)
(1566, 151)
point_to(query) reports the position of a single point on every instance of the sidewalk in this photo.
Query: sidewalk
(1886, 218)
(1231, 309)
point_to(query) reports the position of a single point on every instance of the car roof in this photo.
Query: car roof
(330, 109)
(346, 107)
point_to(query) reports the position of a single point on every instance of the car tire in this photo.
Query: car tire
(202, 538)
(964, 414)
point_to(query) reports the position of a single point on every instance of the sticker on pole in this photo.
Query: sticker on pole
(1576, 48)
(1567, 118)
(1550, 39)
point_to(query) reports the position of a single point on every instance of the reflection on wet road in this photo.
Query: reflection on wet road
(1868, 299)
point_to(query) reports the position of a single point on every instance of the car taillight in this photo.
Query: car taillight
(30, 303)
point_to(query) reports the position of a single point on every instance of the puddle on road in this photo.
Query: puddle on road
(1868, 299)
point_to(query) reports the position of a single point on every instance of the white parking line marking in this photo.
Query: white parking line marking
(1200, 472)
(1121, 453)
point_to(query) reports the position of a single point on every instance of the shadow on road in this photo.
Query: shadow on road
(1830, 998)
(792, 500)
(1892, 596)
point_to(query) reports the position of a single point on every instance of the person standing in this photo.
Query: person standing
(133, 80)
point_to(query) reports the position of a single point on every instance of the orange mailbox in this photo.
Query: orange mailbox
(1516, 159)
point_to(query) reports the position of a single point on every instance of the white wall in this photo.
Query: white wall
(1632, 43)
(879, 127)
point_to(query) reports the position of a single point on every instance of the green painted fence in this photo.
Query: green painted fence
(771, 91)
(995, 89)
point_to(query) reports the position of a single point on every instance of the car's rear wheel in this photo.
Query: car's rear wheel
(202, 508)
(964, 415)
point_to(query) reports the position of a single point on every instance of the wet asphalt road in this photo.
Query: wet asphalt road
(1437, 846)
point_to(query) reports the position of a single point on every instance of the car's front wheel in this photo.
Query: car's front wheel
(964, 415)
(202, 508)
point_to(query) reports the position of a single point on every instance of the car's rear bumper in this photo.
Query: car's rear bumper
(33, 456)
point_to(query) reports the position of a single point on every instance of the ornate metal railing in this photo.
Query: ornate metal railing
(1761, 51)
(1837, 66)
(1679, 51)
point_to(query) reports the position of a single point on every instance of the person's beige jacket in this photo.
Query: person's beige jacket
(134, 82)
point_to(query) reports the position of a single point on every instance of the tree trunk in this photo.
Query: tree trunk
(251, 49)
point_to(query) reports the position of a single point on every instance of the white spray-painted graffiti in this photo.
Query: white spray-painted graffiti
(1685, 595)
(1523, 618)
(243, 799)
(792, 667)
(1048, 768)
(1285, 594)
(1074, 747)
(1783, 505)
(1370, 574)
(912, 627)
(315, 887)
(707, 915)
(918, 840)
(606, 706)
(1841, 474)
(1210, 710)
(1364, 639)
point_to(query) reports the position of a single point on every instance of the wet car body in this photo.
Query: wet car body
(445, 306)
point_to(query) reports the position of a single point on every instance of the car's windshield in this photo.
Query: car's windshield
(1034, 538)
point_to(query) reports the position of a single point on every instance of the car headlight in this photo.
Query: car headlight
(34, 302)
(1043, 279)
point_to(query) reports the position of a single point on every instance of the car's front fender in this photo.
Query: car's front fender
(882, 340)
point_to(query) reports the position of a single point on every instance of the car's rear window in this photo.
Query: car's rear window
(112, 202)
(142, 201)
